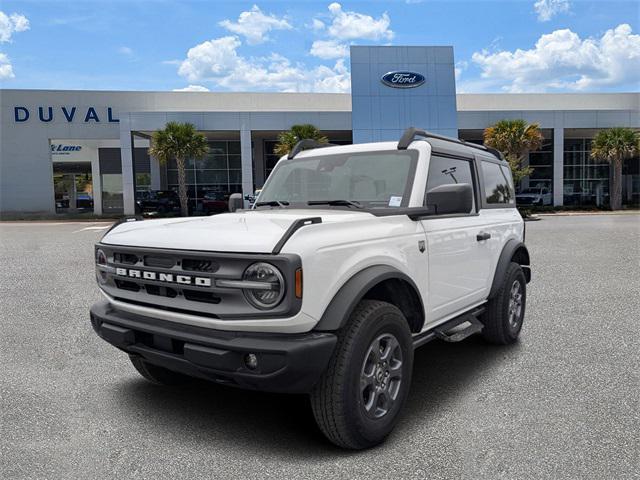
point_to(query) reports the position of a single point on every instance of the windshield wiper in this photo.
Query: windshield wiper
(273, 203)
(346, 203)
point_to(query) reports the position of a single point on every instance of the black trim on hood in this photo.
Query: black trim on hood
(293, 228)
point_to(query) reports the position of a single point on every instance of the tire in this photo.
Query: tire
(156, 374)
(350, 415)
(505, 312)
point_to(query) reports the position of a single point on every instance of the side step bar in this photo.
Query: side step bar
(454, 330)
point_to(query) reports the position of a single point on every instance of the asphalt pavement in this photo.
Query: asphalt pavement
(563, 403)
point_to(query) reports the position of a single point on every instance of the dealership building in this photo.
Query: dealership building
(73, 151)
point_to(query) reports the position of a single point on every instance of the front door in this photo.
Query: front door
(458, 262)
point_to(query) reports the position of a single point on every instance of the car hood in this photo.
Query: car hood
(251, 231)
(527, 195)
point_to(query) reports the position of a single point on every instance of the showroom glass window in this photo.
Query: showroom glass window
(497, 184)
(445, 170)
(586, 181)
(542, 163)
(219, 171)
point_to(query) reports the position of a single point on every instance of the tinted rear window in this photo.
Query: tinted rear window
(498, 186)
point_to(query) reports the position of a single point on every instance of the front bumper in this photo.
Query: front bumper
(289, 363)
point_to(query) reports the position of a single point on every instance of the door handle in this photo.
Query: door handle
(483, 236)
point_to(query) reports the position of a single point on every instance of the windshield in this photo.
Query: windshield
(369, 179)
(530, 190)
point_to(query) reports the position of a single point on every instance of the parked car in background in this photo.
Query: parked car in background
(84, 200)
(538, 196)
(215, 202)
(62, 200)
(159, 201)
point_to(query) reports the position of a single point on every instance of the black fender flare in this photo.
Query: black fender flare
(349, 295)
(513, 248)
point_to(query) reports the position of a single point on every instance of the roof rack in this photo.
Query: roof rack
(411, 133)
(307, 144)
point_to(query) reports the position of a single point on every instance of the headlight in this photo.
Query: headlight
(101, 257)
(269, 285)
(101, 260)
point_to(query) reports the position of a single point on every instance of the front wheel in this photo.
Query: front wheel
(505, 311)
(357, 401)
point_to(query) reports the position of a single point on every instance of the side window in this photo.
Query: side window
(498, 185)
(444, 171)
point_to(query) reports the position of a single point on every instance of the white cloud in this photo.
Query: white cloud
(460, 67)
(6, 70)
(254, 25)
(352, 25)
(10, 24)
(327, 49)
(345, 26)
(125, 51)
(547, 9)
(561, 60)
(317, 25)
(217, 61)
(210, 59)
(192, 88)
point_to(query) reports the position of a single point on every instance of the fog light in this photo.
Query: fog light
(251, 361)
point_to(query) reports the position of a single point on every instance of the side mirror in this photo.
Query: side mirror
(236, 202)
(451, 198)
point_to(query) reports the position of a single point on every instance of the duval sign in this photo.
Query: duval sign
(69, 114)
(403, 79)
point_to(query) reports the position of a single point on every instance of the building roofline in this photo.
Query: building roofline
(341, 102)
(547, 101)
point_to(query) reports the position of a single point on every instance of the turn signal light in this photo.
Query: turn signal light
(298, 288)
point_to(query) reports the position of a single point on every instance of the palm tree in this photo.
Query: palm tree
(287, 140)
(615, 145)
(179, 141)
(515, 139)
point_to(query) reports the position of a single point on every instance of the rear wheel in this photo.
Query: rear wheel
(156, 374)
(358, 399)
(505, 312)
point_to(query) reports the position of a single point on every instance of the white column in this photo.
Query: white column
(558, 166)
(246, 161)
(155, 173)
(126, 156)
(96, 181)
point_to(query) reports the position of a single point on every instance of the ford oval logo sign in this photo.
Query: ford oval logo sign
(403, 79)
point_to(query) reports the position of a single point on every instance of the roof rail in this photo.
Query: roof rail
(307, 144)
(411, 133)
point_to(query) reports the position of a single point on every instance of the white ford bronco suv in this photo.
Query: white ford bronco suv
(350, 258)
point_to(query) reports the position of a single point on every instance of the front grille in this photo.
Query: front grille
(186, 281)
(199, 265)
(159, 262)
(201, 296)
(127, 285)
(125, 258)
(161, 291)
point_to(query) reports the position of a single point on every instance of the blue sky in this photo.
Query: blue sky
(500, 46)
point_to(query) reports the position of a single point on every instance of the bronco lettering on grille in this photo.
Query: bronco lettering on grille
(164, 277)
